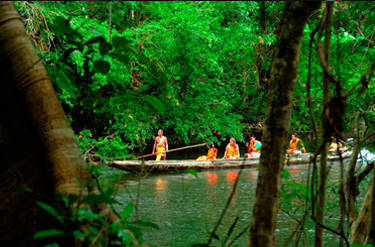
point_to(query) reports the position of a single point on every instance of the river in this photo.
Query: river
(186, 208)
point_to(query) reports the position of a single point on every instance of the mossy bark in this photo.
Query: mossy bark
(277, 123)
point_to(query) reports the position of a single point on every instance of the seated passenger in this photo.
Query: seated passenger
(335, 144)
(296, 146)
(232, 150)
(212, 153)
(253, 150)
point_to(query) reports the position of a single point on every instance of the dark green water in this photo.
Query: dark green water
(187, 208)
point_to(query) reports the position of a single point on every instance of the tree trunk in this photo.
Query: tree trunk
(38, 146)
(277, 123)
(371, 234)
(361, 226)
(323, 156)
(351, 178)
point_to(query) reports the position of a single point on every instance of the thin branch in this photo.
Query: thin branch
(341, 234)
(110, 22)
(364, 79)
(229, 200)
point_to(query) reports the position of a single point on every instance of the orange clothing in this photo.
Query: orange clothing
(232, 152)
(294, 144)
(212, 153)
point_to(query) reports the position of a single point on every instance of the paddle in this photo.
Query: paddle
(172, 150)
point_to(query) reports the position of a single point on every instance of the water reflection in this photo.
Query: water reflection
(187, 208)
(160, 186)
(231, 177)
(294, 171)
(253, 175)
(212, 178)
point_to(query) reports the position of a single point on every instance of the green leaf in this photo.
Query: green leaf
(120, 42)
(104, 48)
(120, 57)
(97, 198)
(64, 84)
(95, 40)
(102, 66)
(147, 224)
(286, 174)
(127, 211)
(62, 26)
(49, 233)
(84, 213)
(154, 102)
(51, 210)
(193, 172)
(52, 245)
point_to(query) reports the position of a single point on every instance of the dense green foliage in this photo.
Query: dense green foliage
(198, 70)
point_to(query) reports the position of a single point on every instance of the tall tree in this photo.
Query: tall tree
(277, 123)
(38, 146)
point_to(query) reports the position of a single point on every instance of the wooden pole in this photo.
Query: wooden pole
(172, 150)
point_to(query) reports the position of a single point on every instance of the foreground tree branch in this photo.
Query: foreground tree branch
(277, 123)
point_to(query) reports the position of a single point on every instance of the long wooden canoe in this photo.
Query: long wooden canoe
(165, 165)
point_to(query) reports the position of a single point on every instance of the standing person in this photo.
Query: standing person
(253, 148)
(211, 154)
(160, 146)
(232, 150)
(296, 145)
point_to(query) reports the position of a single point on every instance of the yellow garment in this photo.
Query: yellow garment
(203, 157)
(232, 152)
(212, 153)
(159, 153)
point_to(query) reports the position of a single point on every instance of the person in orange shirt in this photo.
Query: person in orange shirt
(211, 154)
(232, 150)
(296, 146)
